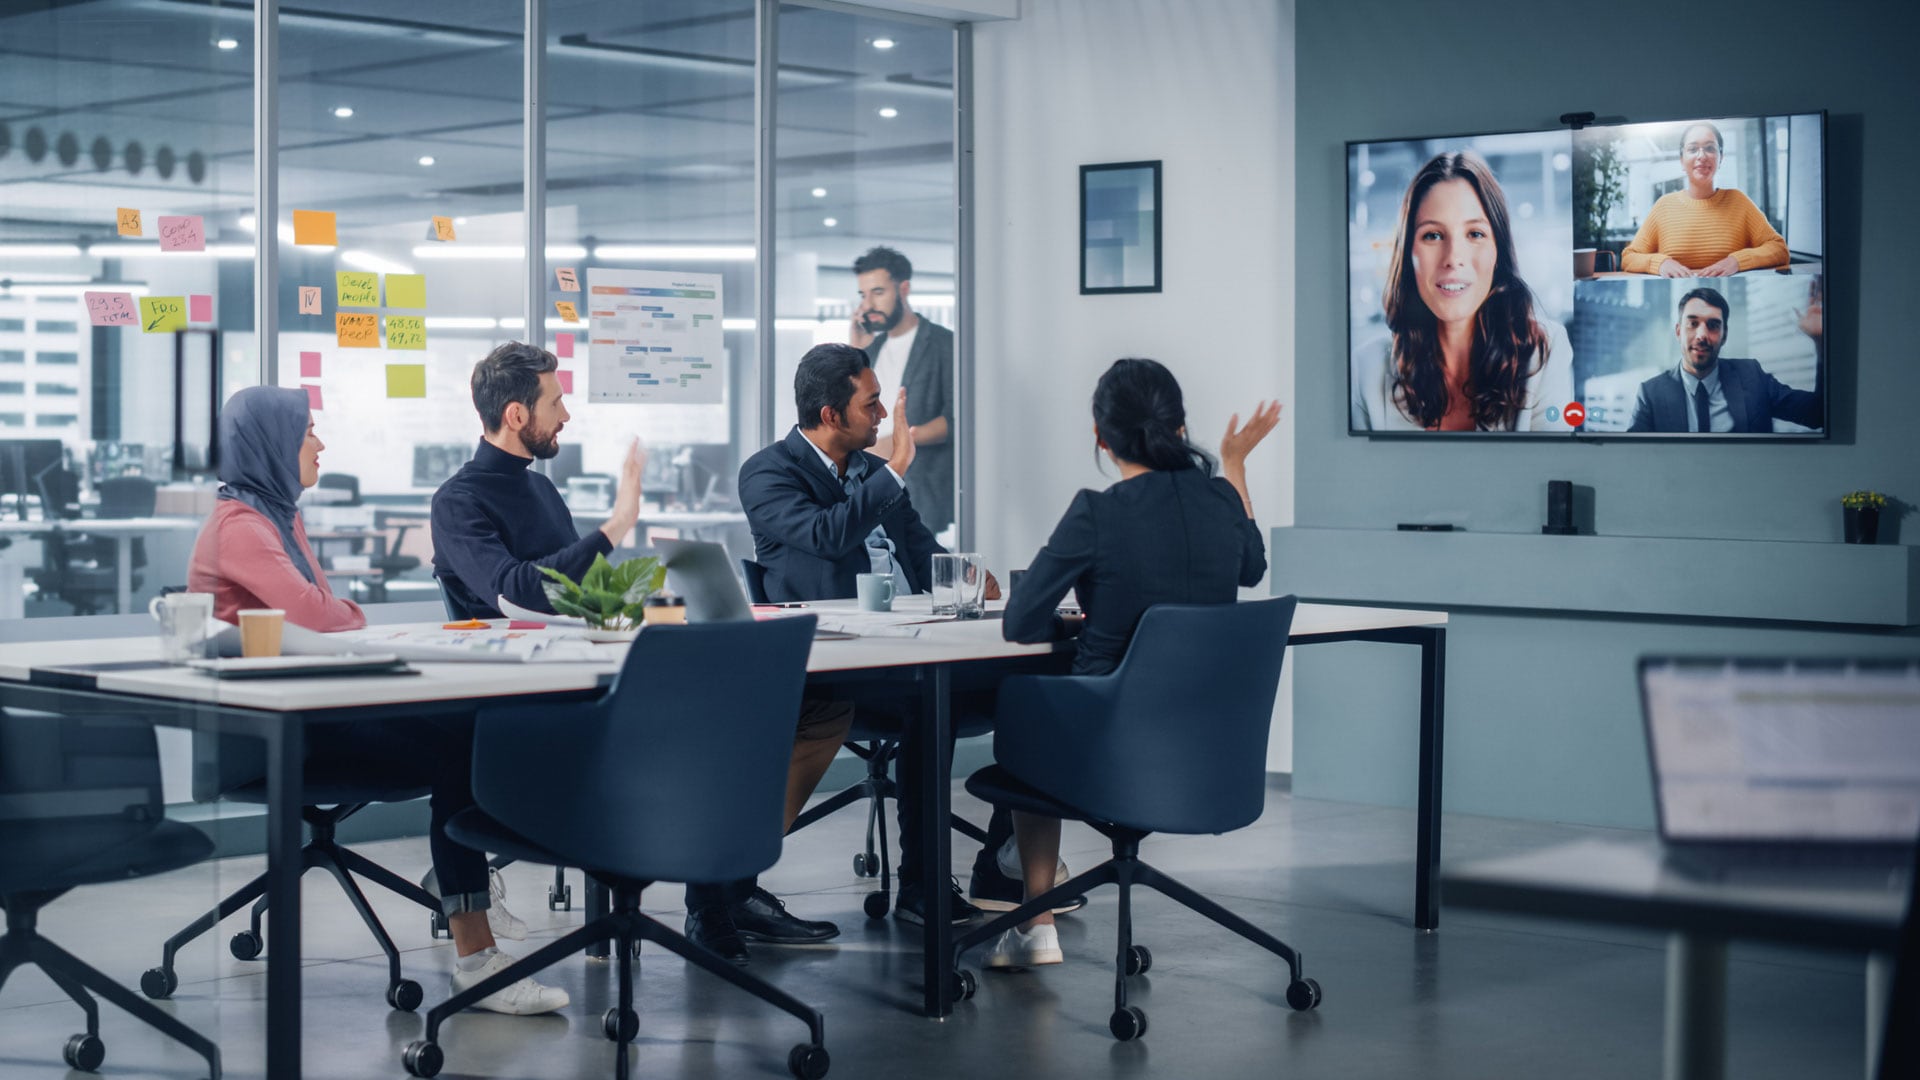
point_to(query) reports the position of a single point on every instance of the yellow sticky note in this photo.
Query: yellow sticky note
(129, 222)
(442, 228)
(567, 311)
(315, 227)
(406, 290)
(406, 332)
(406, 380)
(163, 314)
(354, 330)
(358, 288)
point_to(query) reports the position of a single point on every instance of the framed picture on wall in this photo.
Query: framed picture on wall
(1120, 228)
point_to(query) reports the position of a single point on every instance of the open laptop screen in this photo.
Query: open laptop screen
(1777, 750)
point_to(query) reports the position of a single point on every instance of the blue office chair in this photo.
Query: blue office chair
(623, 788)
(82, 805)
(1173, 740)
(874, 739)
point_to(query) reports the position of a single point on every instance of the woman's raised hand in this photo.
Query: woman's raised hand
(1239, 441)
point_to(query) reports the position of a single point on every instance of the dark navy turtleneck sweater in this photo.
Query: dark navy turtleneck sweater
(495, 523)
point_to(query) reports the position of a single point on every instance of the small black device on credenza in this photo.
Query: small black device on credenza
(1560, 509)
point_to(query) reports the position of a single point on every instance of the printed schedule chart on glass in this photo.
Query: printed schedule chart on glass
(655, 337)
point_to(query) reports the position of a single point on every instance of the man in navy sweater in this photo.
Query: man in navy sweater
(496, 522)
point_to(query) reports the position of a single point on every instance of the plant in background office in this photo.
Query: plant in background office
(608, 597)
(1594, 201)
(1860, 516)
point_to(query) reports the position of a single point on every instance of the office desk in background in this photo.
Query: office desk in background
(123, 531)
(690, 524)
(1631, 884)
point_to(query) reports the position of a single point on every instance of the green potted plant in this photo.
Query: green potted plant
(1860, 516)
(610, 598)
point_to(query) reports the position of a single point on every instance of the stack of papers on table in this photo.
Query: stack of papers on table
(434, 645)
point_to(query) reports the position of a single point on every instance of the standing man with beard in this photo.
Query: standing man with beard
(496, 522)
(914, 354)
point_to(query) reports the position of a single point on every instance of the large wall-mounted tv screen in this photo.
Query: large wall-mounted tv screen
(1645, 280)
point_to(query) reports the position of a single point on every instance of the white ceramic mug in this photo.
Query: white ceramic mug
(183, 619)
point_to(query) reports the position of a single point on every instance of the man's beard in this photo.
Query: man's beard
(887, 322)
(542, 445)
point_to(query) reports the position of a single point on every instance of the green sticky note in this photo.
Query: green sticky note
(407, 291)
(163, 314)
(406, 380)
(358, 288)
(406, 331)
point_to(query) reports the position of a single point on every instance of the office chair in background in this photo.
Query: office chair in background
(391, 564)
(1173, 740)
(606, 786)
(80, 804)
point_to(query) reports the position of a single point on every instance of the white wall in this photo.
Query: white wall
(1206, 87)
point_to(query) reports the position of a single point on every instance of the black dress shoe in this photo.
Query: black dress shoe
(763, 917)
(712, 929)
(911, 908)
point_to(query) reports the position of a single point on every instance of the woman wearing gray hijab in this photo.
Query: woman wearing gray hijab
(253, 553)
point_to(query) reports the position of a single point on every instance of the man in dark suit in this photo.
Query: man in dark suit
(1709, 393)
(824, 511)
(916, 354)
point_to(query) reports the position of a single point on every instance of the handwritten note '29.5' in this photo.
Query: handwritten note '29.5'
(111, 309)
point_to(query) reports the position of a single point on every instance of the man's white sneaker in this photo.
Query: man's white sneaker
(1019, 948)
(524, 998)
(1009, 859)
(503, 923)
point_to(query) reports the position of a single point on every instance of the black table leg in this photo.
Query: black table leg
(599, 902)
(1433, 702)
(936, 851)
(286, 753)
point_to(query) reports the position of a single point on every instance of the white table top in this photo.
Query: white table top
(939, 642)
(102, 526)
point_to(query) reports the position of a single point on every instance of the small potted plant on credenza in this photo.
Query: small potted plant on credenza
(1860, 516)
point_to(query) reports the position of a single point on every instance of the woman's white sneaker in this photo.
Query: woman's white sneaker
(1019, 948)
(503, 923)
(524, 998)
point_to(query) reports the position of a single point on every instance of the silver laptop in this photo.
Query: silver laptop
(702, 573)
(1775, 762)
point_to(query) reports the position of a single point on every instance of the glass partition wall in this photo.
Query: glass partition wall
(400, 151)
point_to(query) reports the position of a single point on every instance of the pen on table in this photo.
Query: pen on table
(470, 624)
(788, 604)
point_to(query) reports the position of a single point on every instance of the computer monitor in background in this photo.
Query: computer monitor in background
(708, 478)
(433, 463)
(22, 461)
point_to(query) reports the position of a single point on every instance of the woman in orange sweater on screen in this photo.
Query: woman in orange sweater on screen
(1703, 231)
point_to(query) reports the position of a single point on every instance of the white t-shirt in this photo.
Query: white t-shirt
(890, 367)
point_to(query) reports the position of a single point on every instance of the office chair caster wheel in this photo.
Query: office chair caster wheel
(621, 1025)
(438, 927)
(1127, 1023)
(866, 864)
(876, 905)
(405, 995)
(84, 1052)
(1139, 960)
(1303, 994)
(246, 945)
(423, 1058)
(159, 983)
(808, 1062)
(560, 898)
(964, 985)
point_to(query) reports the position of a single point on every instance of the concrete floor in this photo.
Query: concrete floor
(1485, 997)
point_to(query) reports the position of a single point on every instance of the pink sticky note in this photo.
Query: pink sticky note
(199, 308)
(309, 299)
(112, 309)
(566, 381)
(185, 233)
(310, 365)
(313, 397)
(563, 345)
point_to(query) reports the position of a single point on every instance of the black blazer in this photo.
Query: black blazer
(812, 537)
(1160, 538)
(928, 376)
(1754, 398)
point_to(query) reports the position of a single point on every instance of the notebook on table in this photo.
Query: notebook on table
(1781, 764)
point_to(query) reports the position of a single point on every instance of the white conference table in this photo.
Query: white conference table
(121, 676)
(123, 530)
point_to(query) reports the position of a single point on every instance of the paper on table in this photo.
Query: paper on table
(451, 646)
(514, 611)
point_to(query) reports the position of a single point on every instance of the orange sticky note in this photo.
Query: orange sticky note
(199, 308)
(567, 310)
(354, 330)
(313, 397)
(184, 233)
(442, 228)
(568, 282)
(315, 227)
(309, 299)
(309, 365)
(129, 222)
(566, 381)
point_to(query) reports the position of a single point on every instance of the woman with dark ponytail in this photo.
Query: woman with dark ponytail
(1169, 532)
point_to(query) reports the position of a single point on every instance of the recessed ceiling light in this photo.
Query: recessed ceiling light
(889, 113)
(883, 43)
(459, 221)
(830, 222)
(343, 111)
(426, 159)
(227, 43)
(819, 193)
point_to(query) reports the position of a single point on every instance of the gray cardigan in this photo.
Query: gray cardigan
(929, 382)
